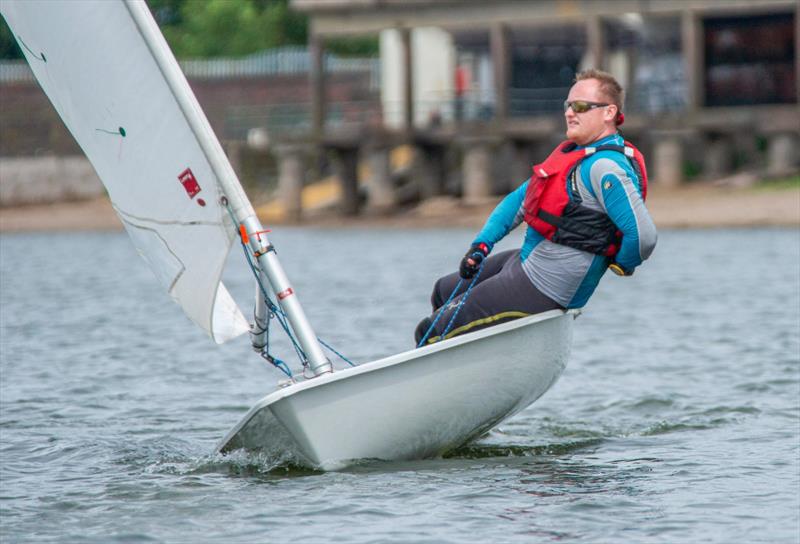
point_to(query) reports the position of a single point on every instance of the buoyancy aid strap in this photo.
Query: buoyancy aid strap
(629, 152)
(549, 218)
(572, 185)
(558, 160)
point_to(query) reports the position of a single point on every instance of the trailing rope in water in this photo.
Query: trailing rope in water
(446, 304)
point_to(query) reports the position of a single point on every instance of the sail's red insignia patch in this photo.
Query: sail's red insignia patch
(189, 182)
(283, 294)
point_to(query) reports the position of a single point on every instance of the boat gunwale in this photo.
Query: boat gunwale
(385, 362)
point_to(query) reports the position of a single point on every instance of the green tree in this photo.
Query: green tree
(215, 28)
(8, 45)
(227, 28)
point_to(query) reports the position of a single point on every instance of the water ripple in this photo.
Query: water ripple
(675, 421)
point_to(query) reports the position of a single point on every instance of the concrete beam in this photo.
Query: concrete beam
(343, 17)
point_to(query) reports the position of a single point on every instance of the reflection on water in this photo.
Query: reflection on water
(677, 419)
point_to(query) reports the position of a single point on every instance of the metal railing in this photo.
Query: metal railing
(294, 119)
(272, 62)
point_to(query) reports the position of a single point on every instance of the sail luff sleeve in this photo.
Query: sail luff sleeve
(191, 109)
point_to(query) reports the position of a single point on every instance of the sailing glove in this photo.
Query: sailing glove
(471, 262)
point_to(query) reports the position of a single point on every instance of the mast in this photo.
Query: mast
(242, 208)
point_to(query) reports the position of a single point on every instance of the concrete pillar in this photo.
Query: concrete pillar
(291, 179)
(344, 161)
(782, 154)
(408, 82)
(521, 162)
(718, 157)
(317, 83)
(428, 170)
(477, 172)
(501, 64)
(596, 38)
(381, 193)
(796, 55)
(668, 155)
(692, 44)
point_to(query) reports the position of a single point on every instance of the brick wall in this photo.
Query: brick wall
(40, 161)
(29, 126)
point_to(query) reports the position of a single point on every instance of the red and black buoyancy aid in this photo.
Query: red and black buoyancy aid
(553, 203)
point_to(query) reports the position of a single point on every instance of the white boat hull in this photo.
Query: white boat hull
(412, 405)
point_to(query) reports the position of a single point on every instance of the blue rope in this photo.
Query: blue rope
(276, 311)
(273, 308)
(444, 307)
(461, 303)
(342, 357)
(277, 363)
(270, 305)
(441, 312)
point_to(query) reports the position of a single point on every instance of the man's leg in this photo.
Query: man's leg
(508, 294)
(445, 285)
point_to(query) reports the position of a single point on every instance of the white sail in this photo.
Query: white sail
(92, 62)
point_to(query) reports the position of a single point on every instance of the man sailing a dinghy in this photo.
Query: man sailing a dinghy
(584, 207)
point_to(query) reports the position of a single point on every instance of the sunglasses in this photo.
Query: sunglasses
(582, 106)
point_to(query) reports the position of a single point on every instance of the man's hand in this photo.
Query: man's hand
(471, 262)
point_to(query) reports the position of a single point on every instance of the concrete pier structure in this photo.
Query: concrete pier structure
(783, 154)
(668, 160)
(690, 108)
(718, 156)
(703, 97)
(381, 193)
(476, 170)
(428, 170)
(292, 165)
(344, 160)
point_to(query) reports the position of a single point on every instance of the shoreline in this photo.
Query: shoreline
(699, 205)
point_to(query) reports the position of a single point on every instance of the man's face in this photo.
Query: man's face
(587, 127)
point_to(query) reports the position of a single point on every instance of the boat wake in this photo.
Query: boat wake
(486, 451)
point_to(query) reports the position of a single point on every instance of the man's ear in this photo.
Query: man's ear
(610, 113)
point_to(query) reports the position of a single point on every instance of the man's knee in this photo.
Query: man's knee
(422, 328)
(437, 298)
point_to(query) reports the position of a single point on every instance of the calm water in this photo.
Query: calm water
(677, 419)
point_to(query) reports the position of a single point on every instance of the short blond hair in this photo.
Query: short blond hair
(609, 86)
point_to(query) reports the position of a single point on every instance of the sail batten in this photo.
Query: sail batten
(101, 75)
